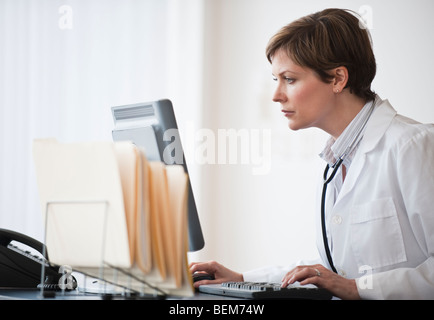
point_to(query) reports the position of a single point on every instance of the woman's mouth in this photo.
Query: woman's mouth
(288, 113)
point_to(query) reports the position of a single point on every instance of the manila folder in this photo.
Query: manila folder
(82, 203)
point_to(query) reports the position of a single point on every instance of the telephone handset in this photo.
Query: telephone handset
(21, 269)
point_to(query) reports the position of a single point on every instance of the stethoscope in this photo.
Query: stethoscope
(327, 179)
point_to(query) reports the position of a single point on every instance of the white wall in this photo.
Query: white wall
(208, 57)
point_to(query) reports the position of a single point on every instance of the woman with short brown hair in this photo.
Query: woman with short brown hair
(375, 221)
(326, 40)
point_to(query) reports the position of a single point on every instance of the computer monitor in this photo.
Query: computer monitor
(152, 125)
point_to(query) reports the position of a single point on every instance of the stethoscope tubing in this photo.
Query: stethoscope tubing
(323, 197)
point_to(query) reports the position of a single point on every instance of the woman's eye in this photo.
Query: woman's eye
(289, 80)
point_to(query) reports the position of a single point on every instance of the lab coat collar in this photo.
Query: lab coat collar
(377, 125)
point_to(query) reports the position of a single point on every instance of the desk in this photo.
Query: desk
(35, 294)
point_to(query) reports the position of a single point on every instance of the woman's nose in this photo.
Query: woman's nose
(279, 95)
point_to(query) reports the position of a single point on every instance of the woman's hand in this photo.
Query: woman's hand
(220, 273)
(323, 278)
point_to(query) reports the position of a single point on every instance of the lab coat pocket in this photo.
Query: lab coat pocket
(376, 236)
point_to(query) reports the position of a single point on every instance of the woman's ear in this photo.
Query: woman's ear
(340, 78)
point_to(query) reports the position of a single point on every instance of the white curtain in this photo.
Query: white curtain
(64, 64)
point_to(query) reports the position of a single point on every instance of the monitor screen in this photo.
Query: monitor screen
(152, 125)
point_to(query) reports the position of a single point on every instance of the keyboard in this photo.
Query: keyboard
(265, 290)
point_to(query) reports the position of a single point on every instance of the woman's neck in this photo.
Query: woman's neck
(347, 106)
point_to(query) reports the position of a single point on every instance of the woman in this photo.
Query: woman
(377, 237)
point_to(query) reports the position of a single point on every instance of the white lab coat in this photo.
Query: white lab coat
(382, 223)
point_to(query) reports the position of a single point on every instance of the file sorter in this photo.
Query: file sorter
(111, 213)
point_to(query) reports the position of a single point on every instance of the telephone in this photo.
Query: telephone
(21, 269)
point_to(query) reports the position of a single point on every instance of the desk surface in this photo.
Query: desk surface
(35, 294)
